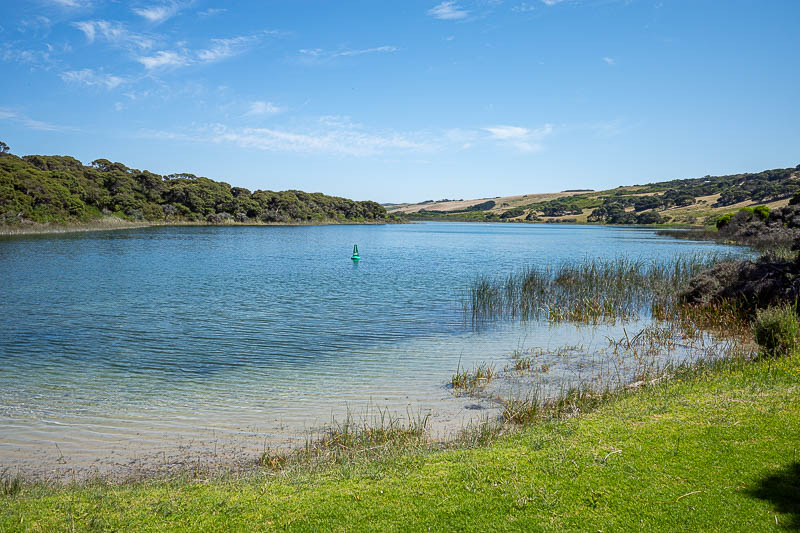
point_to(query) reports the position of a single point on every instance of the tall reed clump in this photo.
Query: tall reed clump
(777, 330)
(591, 291)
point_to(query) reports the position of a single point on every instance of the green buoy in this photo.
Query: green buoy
(355, 256)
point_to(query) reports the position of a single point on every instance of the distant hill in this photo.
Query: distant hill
(61, 189)
(683, 201)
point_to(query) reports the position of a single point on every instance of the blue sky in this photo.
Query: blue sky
(407, 100)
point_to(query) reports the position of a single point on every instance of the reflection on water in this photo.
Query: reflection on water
(130, 342)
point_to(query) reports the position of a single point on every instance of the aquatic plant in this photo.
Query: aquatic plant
(592, 291)
(472, 380)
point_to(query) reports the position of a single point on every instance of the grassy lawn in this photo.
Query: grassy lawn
(716, 449)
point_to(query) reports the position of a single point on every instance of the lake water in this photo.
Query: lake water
(120, 346)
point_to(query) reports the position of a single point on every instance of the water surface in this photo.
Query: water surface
(115, 345)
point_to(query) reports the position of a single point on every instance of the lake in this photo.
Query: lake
(120, 346)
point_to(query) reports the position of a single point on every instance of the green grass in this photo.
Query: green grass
(713, 449)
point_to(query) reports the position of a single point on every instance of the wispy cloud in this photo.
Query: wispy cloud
(523, 139)
(225, 48)
(163, 59)
(218, 50)
(159, 13)
(90, 78)
(44, 58)
(332, 135)
(37, 24)
(67, 3)
(339, 135)
(523, 8)
(211, 12)
(113, 33)
(13, 116)
(320, 54)
(385, 49)
(448, 10)
(263, 108)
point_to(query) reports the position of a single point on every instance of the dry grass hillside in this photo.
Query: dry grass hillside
(694, 201)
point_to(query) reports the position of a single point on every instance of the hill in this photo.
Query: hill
(682, 201)
(37, 189)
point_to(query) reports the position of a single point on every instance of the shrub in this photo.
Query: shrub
(777, 330)
(723, 221)
(761, 211)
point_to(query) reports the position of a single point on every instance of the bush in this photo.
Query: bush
(777, 330)
(724, 220)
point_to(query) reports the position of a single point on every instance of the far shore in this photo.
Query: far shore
(114, 223)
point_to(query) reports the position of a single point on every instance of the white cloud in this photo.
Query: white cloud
(91, 78)
(37, 58)
(36, 24)
(448, 10)
(158, 14)
(162, 59)
(344, 140)
(523, 139)
(112, 32)
(7, 114)
(609, 61)
(507, 132)
(65, 3)
(320, 54)
(333, 135)
(523, 8)
(387, 49)
(218, 50)
(225, 48)
(264, 108)
(211, 12)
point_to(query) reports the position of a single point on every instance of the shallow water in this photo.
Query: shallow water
(120, 345)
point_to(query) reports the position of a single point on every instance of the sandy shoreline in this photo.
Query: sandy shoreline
(208, 451)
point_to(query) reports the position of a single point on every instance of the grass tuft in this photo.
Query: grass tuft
(777, 330)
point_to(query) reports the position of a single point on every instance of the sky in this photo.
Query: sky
(407, 100)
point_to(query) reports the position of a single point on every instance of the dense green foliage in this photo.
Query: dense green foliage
(60, 189)
(761, 227)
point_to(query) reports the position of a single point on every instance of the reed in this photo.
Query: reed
(474, 380)
(592, 291)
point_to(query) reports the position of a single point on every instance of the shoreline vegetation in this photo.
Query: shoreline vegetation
(710, 439)
(42, 194)
(111, 223)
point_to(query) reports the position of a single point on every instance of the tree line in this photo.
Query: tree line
(61, 189)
